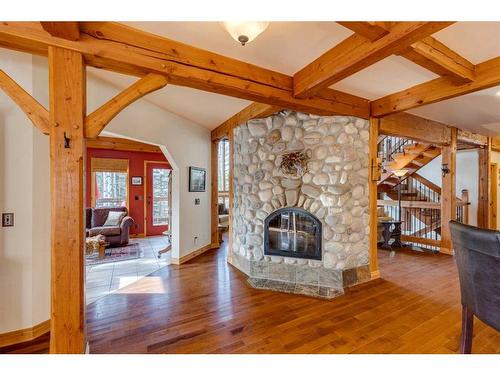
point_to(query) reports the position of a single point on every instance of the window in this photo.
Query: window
(223, 162)
(109, 182)
(110, 189)
(160, 196)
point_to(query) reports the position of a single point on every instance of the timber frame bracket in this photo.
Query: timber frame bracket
(96, 122)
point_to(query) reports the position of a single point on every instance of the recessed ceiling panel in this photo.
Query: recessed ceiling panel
(476, 41)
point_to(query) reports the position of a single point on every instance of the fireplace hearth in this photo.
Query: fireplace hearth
(292, 232)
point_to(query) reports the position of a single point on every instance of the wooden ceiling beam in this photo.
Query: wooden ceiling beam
(36, 112)
(487, 75)
(356, 53)
(254, 110)
(124, 58)
(429, 53)
(97, 120)
(121, 144)
(65, 30)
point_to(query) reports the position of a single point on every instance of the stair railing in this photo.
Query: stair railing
(390, 145)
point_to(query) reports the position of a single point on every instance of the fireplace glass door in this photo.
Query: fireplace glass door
(292, 232)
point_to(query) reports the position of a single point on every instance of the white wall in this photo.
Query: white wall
(185, 144)
(24, 187)
(495, 158)
(467, 177)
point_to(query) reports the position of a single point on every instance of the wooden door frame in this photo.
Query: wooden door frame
(493, 195)
(145, 190)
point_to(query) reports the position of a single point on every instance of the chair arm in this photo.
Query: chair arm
(127, 222)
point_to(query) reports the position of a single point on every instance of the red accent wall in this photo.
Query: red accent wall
(136, 169)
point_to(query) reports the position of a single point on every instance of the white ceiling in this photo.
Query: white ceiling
(288, 46)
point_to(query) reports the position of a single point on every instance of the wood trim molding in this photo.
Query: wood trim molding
(25, 334)
(36, 112)
(194, 254)
(97, 120)
(121, 144)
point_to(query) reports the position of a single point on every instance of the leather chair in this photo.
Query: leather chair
(478, 261)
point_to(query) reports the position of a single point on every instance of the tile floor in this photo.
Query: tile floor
(103, 279)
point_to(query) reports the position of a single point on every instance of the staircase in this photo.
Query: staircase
(420, 198)
(399, 153)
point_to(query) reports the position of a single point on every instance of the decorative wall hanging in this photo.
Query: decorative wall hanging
(197, 177)
(295, 163)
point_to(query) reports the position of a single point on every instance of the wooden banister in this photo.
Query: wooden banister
(464, 200)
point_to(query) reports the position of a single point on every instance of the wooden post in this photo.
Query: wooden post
(67, 155)
(493, 195)
(465, 201)
(372, 186)
(215, 195)
(231, 194)
(483, 204)
(448, 192)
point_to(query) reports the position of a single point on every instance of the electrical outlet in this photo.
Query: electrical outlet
(8, 219)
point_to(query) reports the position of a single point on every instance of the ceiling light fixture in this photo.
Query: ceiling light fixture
(497, 93)
(245, 32)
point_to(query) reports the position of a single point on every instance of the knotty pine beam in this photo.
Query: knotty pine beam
(36, 112)
(433, 55)
(418, 128)
(372, 188)
(448, 192)
(67, 156)
(123, 58)
(428, 52)
(487, 75)
(483, 204)
(254, 110)
(356, 53)
(65, 30)
(97, 120)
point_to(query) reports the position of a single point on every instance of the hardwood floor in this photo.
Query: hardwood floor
(205, 306)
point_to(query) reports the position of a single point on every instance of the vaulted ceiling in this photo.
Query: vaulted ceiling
(287, 47)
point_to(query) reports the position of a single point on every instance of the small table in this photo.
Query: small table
(392, 229)
(96, 243)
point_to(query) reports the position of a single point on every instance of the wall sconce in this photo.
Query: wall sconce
(445, 169)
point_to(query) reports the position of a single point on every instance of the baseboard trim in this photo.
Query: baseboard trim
(446, 251)
(137, 235)
(375, 275)
(25, 334)
(194, 254)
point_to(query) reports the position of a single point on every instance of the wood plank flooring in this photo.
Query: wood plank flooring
(206, 306)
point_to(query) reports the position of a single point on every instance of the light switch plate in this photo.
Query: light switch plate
(8, 219)
(197, 201)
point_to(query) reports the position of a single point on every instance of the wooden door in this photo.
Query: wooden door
(157, 203)
(493, 195)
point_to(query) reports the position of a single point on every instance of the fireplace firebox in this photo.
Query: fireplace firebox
(292, 232)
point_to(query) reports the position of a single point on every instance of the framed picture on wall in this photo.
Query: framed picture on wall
(137, 180)
(197, 177)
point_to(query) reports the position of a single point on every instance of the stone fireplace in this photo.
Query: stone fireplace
(305, 233)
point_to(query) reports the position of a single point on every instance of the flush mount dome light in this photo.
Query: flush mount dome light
(400, 172)
(245, 32)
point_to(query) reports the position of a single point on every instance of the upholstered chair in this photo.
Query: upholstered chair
(477, 253)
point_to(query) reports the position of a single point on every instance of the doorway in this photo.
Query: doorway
(157, 207)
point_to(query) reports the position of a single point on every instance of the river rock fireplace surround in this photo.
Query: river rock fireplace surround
(305, 233)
